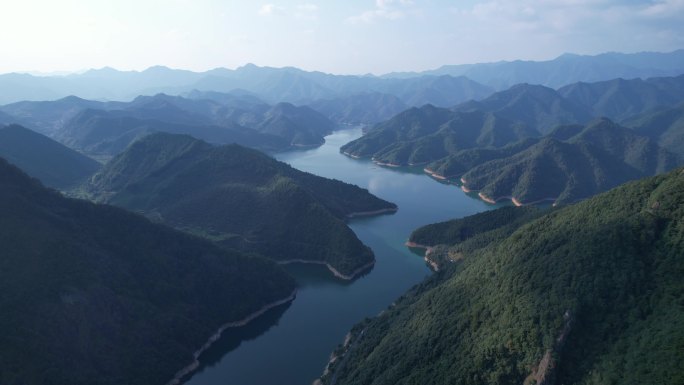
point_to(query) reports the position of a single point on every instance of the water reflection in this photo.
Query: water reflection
(314, 276)
(232, 338)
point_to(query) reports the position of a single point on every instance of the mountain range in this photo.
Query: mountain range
(572, 163)
(531, 143)
(444, 87)
(565, 69)
(104, 129)
(273, 85)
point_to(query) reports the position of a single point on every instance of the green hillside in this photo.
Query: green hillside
(365, 108)
(46, 117)
(587, 294)
(92, 294)
(599, 157)
(299, 126)
(665, 126)
(620, 99)
(539, 107)
(107, 133)
(240, 198)
(52, 163)
(426, 134)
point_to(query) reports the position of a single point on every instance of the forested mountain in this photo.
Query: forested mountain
(587, 294)
(240, 198)
(442, 91)
(666, 127)
(566, 69)
(426, 134)
(620, 99)
(6, 118)
(105, 129)
(54, 164)
(300, 126)
(366, 108)
(538, 107)
(92, 294)
(600, 156)
(531, 143)
(47, 117)
(104, 134)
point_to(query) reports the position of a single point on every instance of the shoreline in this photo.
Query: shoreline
(426, 257)
(177, 379)
(349, 154)
(491, 200)
(518, 203)
(434, 174)
(347, 277)
(358, 214)
(513, 200)
(417, 164)
(379, 163)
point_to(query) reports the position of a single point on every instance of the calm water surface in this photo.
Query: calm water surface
(290, 345)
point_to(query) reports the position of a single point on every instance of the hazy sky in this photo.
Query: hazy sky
(340, 36)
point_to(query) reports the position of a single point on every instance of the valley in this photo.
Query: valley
(327, 305)
(271, 225)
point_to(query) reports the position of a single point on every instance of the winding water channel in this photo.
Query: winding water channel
(291, 344)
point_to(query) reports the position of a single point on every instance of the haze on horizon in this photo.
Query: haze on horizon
(350, 37)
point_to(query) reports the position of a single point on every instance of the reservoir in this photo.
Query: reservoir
(291, 344)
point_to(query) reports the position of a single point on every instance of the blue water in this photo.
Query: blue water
(291, 345)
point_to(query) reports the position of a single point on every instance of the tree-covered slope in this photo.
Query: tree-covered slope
(47, 117)
(6, 118)
(426, 134)
(588, 294)
(52, 163)
(440, 91)
(296, 125)
(537, 106)
(599, 157)
(93, 294)
(620, 99)
(366, 108)
(665, 126)
(300, 126)
(239, 198)
(107, 133)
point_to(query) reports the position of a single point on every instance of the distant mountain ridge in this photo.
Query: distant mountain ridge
(445, 86)
(566, 69)
(273, 85)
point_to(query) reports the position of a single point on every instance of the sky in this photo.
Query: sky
(335, 36)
